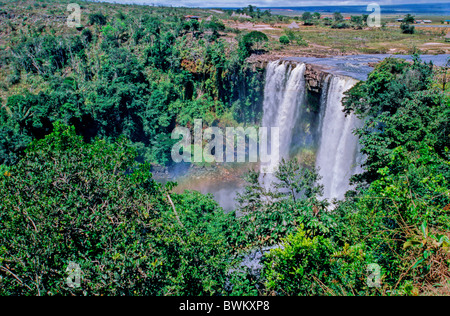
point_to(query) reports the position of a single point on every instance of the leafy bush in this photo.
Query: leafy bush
(97, 18)
(393, 99)
(91, 204)
(276, 209)
(87, 35)
(311, 265)
(295, 36)
(247, 41)
(407, 28)
(340, 25)
(292, 269)
(284, 40)
(45, 54)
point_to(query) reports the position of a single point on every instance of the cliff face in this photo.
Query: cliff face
(314, 75)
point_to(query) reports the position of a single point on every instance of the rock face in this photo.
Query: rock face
(314, 74)
(315, 77)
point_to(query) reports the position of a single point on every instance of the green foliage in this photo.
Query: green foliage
(243, 283)
(45, 54)
(93, 205)
(307, 18)
(215, 26)
(97, 18)
(338, 17)
(295, 36)
(307, 265)
(409, 19)
(399, 110)
(247, 41)
(292, 270)
(285, 40)
(358, 22)
(412, 190)
(256, 13)
(136, 76)
(327, 21)
(298, 181)
(340, 25)
(406, 26)
(87, 34)
(275, 208)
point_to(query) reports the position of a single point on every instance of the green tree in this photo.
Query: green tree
(97, 18)
(307, 18)
(295, 36)
(357, 22)
(338, 17)
(400, 109)
(215, 26)
(406, 26)
(409, 19)
(312, 265)
(93, 205)
(285, 40)
(248, 41)
(298, 181)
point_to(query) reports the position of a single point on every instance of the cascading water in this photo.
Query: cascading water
(330, 137)
(338, 153)
(338, 148)
(284, 92)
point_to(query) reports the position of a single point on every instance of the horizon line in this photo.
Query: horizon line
(132, 2)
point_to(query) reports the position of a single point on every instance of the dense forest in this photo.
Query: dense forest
(137, 74)
(87, 112)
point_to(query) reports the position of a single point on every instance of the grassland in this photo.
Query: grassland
(374, 41)
(29, 18)
(25, 16)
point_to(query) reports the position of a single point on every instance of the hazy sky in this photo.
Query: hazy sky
(272, 3)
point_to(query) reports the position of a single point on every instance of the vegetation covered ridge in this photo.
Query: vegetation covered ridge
(85, 111)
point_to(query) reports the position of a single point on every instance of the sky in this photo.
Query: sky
(273, 3)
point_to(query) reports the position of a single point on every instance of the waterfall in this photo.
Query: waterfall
(338, 148)
(338, 155)
(284, 92)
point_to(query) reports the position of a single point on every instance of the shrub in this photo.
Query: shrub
(296, 268)
(247, 42)
(87, 35)
(294, 36)
(340, 25)
(13, 79)
(92, 205)
(284, 40)
(97, 18)
(407, 28)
